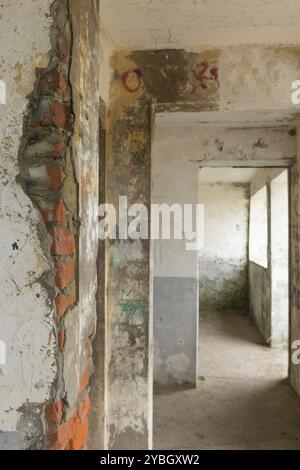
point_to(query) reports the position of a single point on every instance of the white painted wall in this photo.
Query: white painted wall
(223, 258)
(240, 144)
(174, 180)
(175, 270)
(258, 229)
(226, 220)
(279, 199)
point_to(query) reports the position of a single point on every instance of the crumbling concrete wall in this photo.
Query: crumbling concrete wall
(97, 416)
(27, 276)
(97, 434)
(84, 78)
(51, 263)
(223, 260)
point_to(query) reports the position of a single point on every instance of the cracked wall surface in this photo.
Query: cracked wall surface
(49, 201)
(27, 282)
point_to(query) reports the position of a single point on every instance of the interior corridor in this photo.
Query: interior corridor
(242, 399)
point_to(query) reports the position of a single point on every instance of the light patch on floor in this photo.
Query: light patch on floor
(243, 399)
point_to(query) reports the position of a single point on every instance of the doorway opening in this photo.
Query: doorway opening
(244, 263)
(240, 394)
(243, 266)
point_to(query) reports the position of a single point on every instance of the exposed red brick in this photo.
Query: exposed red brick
(56, 176)
(53, 113)
(84, 408)
(58, 149)
(61, 437)
(63, 241)
(54, 412)
(65, 273)
(80, 437)
(57, 213)
(61, 115)
(62, 303)
(61, 339)
(84, 381)
(73, 425)
(45, 177)
(53, 81)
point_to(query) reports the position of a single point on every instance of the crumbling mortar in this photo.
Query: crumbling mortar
(25, 162)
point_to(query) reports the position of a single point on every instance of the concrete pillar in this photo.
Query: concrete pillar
(128, 374)
(175, 275)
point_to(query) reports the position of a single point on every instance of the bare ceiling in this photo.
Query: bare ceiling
(149, 24)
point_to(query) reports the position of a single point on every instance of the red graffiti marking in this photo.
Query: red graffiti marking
(132, 80)
(202, 74)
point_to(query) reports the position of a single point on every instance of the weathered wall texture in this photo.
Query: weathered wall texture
(166, 80)
(97, 416)
(223, 260)
(279, 198)
(47, 325)
(260, 299)
(84, 77)
(216, 145)
(174, 180)
(294, 371)
(27, 281)
(260, 278)
(138, 78)
(49, 254)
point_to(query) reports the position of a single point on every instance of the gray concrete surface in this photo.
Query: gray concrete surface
(243, 399)
(175, 307)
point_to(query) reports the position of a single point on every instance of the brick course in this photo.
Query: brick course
(46, 166)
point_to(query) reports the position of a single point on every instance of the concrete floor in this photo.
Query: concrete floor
(242, 400)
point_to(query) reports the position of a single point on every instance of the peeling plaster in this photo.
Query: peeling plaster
(26, 267)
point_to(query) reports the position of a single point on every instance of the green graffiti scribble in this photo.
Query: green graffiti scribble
(133, 306)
